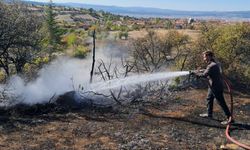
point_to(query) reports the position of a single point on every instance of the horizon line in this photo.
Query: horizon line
(139, 7)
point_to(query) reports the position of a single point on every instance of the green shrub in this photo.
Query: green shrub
(31, 69)
(123, 35)
(71, 39)
(80, 52)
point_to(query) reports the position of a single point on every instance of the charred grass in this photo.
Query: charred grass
(170, 122)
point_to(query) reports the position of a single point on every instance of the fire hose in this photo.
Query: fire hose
(229, 88)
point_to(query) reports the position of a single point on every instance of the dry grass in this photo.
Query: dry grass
(194, 34)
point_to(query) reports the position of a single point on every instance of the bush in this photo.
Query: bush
(31, 69)
(2, 76)
(80, 52)
(123, 35)
(71, 39)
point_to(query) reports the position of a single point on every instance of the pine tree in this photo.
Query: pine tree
(52, 28)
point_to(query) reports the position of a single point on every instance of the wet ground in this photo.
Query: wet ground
(171, 122)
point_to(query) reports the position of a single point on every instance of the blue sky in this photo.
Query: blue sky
(200, 5)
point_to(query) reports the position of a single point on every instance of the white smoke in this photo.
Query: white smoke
(60, 76)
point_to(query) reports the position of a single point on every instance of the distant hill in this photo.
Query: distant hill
(156, 12)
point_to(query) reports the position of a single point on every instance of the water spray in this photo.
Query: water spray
(135, 79)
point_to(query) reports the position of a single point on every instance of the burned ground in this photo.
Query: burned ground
(170, 122)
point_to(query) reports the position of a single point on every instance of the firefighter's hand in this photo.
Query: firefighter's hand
(201, 70)
(193, 72)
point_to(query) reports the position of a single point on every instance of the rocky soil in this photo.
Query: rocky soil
(171, 122)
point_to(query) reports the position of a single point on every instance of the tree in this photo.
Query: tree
(168, 24)
(91, 11)
(19, 36)
(54, 35)
(153, 52)
(232, 48)
(93, 57)
(231, 45)
(108, 25)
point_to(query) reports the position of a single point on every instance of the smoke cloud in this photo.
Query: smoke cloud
(60, 76)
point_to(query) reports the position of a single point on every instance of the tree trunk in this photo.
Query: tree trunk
(93, 62)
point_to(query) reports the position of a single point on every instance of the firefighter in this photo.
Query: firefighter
(215, 91)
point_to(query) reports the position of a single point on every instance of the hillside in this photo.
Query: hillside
(164, 13)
